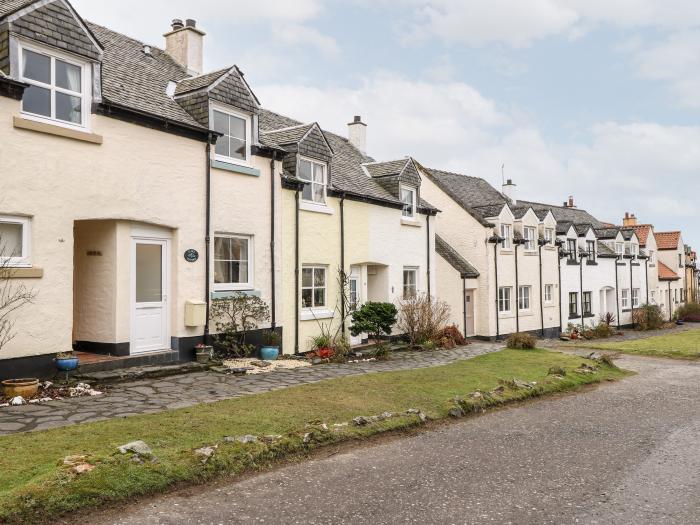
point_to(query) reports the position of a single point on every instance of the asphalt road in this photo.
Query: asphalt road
(623, 453)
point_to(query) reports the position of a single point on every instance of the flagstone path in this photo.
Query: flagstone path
(146, 396)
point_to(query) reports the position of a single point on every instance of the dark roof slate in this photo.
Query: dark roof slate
(575, 215)
(195, 83)
(452, 256)
(605, 251)
(7, 7)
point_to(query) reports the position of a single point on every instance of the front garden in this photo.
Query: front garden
(679, 345)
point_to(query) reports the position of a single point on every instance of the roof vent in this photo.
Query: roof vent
(191, 23)
(170, 88)
(147, 50)
(177, 24)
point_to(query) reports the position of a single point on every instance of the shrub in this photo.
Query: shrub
(422, 318)
(608, 318)
(648, 317)
(521, 341)
(375, 319)
(382, 351)
(450, 337)
(235, 316)
(689, 312)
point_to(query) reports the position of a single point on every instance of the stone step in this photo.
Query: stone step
(139, 372)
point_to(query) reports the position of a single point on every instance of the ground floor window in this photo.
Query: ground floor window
(635, 298)
(652, 297)
(587, 303)
(313, 286)
(14, 240)
(410, 283)
(524, 297)
(504, 299)
(573, 304)
(548, 293)
(625, 300)
(233, 262)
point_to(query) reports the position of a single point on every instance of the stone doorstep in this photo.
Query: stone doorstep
(140, 372)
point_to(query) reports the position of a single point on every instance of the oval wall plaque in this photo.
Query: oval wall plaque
(191, 255)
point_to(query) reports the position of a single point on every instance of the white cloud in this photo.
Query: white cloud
(300, 34)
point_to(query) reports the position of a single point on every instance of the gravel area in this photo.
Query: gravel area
(255, 366)
(623, 453)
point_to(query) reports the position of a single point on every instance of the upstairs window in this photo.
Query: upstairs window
(529, 235)
(506, 233)
(14, 241)
(619, 248)
(651, 256)
(571, 245)
(314, 174)
(634, 249)
(549, 235)
(234, 145)
(408, 198)
(680, 261)
(590, 248)
(57, 88)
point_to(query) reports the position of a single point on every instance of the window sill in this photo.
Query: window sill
(506, 251)
(309, 314)
(549, 305)
(530, 253)
(16, 272)
(316, 208)
(569, 262)
(506, 315)
(591, 263)
(225, 294)
(410, 222)
(58, 131)
(235, 168)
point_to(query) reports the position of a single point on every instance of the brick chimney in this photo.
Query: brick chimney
(509, 190)
(570, 202)
(357, 134)
(185, 43)
(629, 219)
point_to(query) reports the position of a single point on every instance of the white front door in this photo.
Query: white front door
(469, 304)
(149, 319)
(355, 298)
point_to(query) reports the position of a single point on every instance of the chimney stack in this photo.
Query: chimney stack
(629, 220)
(185, 43)
(509, 191)
(357, 134)
(570, 202)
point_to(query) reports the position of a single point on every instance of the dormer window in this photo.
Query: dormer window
(590, 248)
(572, 247)
(634, 251)
(314, 174)
(58, 87)
(507, 234)
(619, 248)
(529, 235)
(549, 235)
(234, 145)
(408, 198)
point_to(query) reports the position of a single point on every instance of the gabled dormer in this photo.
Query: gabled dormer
(502, 216)
(526, 225)
(402, 180)
(547, 227)
(47, 46)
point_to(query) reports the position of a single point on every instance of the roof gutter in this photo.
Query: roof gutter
(12, 88)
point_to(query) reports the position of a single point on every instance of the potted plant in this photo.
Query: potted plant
(25, 388)
(323, 345)
(270, 349)
(66, 361)
(203, 353)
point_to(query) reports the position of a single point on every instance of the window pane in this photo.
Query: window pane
(306, 298)
(221, 123)
(307, 277)
(239, 272)
(318, 173)
(238, 148)
(68, 76)
(68, 108)
(222, 272)
(37, 100)
(237, 127)
(37, 67)
(318, 193)
(10, 240)
(320, 297)
(239, 249)
(306, 193)
(222, 147)
(222, 248)
(304, 170)
(319, 277)
(149, 278)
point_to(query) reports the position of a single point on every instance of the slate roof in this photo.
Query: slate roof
(561, 213)
(200, 82)
(666, 274)
(606, 232)
(667, 240)
(582, 229)
(563, 227)
(384, 169)
(459, 263)
(605, 251)
(7, 7)
(134, 80)
(347, 173)
(491, 210)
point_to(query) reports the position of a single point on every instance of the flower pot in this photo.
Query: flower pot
(66, 365)
(204, 354)
(269, 353)
(20, 387)
(325, 353)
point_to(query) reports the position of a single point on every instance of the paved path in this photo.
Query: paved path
(625, 453)
(156, 395)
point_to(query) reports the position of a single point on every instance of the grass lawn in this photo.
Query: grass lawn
(35, 486)
(681, 345)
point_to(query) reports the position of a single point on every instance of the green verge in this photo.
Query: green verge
(681, 345)
(34, 484)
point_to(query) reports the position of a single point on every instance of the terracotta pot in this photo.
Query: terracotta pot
(20, 387)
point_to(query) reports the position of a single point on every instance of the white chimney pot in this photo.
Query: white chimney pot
(509, 191)
(357, 134)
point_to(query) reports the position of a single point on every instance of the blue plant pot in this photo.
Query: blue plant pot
(269, 353)
(66, 365)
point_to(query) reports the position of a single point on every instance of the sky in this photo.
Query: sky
(590, 98)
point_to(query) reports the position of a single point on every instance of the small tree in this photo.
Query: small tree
(648, 317)
(423, 319)
(375, 319)
(234, 317)
(13, 296)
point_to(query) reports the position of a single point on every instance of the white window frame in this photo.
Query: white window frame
(591, 250)
(409, 269)
(549, 235)
(315, 307)
(634, 250)
(503, 300)
(624, 298)
(651, 256)
(412, 214)
(227, 110)
(524, 294)
(529, 234)
(635, 297)
(507, 234)
(225, 287)
(548, 293)
(24, 260)
(325, 181)
(85, 81)
(619, 248)
(652, 296)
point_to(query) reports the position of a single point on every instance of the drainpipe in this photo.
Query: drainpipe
(342, 260)
(580, 265)
(559, 255)
(496, 240)
(617, 293)
(631, 293)
(670, 308)
(541, 293)
(646, 277)
(464, 304)
(427, 224)
(516, 244)
(207, 239)
(273, 283)
(296, 272)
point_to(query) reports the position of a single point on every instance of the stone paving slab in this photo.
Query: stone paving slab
(179, 391)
